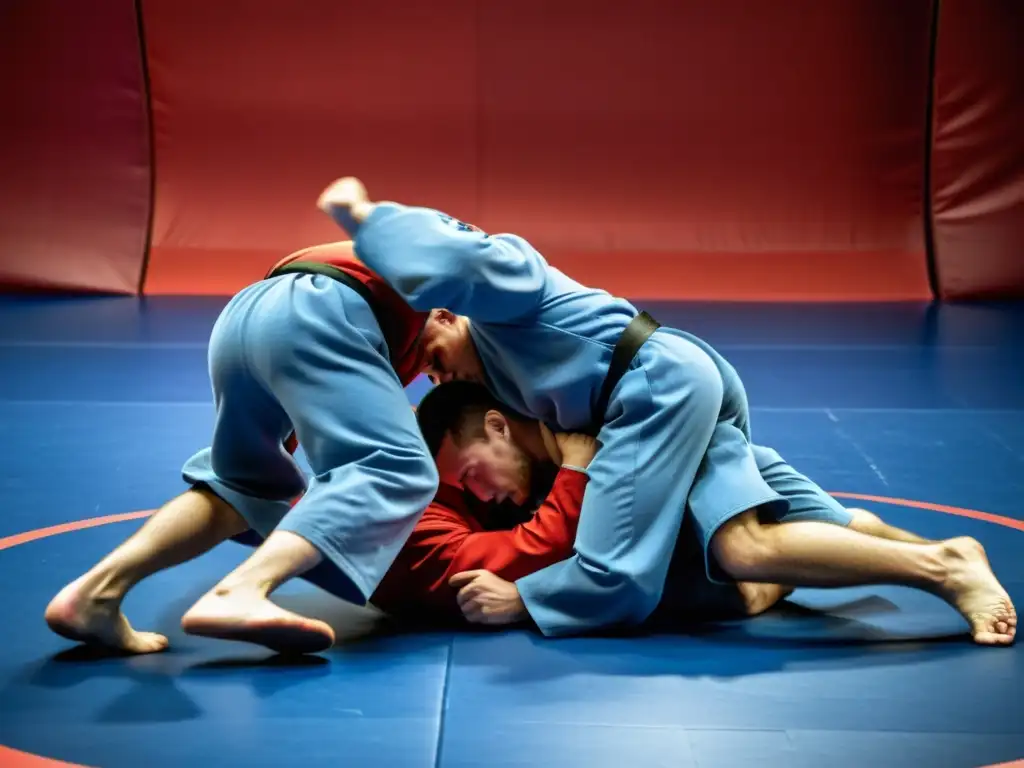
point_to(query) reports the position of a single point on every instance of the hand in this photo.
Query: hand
(347, 202)
(550, 443)
(487, 599)
(576, 449)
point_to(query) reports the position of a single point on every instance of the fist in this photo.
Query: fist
(487, 599)
(576, 449)
(345, 192)
(346, 201)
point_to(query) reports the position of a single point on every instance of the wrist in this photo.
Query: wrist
(574, 467)
(521, 613)
(362, 211)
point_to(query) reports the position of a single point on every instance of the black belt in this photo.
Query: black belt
(384, 320)
(636, 334)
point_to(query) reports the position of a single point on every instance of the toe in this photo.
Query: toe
(991, 632)
(149, 642)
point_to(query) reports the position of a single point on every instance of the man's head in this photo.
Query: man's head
(472, 437)
(449, 350)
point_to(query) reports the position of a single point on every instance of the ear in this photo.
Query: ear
(444, 317)
(496, 424)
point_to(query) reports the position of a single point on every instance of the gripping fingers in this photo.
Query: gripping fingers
(474, 604)
(468, 594)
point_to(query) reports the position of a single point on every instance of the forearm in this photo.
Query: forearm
(436, 263)
(544, 539)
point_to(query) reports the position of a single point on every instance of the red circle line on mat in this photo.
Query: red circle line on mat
(10, 758)
(974, 514)
(75, 525)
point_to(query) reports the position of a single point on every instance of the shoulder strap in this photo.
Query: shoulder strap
(384, 320)
(636, 334)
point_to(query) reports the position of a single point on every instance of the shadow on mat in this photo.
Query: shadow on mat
(830, 630)
(793, 636)
(154, 694)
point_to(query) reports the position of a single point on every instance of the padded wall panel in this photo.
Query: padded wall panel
(978, 149)
(686, 149)
(74, 147)
(259, 105)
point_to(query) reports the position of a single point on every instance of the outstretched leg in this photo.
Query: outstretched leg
(88, 609)
(814, 541)
(757, 598)
(652, 443)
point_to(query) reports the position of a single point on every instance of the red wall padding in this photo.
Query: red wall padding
(727, 149)
(257, 110)
(658, 148)
(74, 147)
(978, 149)
(674, 149)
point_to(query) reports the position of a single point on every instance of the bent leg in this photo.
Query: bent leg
(690, 596)
(814, 541)
(660, 420)
(326, 365)
(249, 467)
(815, 554)
(803, 541)
(88, 610)
(373, 475)
(873, 525)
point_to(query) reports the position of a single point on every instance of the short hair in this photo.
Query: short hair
(457, 408)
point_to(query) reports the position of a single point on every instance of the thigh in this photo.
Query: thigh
(247, 451)
(660, 420)
(373, 475)
(728, 484)
(334, 383)
(246, 463)
(735, 405)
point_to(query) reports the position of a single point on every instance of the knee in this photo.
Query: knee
(741, 545)
(706, 389)
(865, 522)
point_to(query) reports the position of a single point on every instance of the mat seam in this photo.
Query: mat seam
(439, 750)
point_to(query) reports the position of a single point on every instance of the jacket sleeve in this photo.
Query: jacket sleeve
(444, 543)
(434, 261)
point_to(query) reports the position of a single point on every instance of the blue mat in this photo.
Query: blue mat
(102, 399)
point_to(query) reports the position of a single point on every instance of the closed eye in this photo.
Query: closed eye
(435, 369)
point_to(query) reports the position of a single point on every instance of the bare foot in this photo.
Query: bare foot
(79, 614)
(252, 618)
(972, 588)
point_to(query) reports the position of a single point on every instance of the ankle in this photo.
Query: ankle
(250, 587)
(106, 585)
(936, 563)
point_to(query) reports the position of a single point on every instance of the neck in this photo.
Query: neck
(529, 436)
(471, 354)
